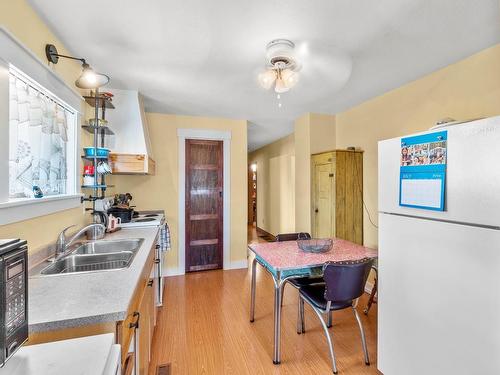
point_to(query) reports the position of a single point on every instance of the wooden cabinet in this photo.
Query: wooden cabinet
(135, 333)
(337, 195)
(132, 164)
(146, 329)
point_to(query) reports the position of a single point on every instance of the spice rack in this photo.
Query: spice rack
(100, 103)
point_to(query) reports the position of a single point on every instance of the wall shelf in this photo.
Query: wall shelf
(102, 101)
(101, 129)
(96, 186)
(94, 157)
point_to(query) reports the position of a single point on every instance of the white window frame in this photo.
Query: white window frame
(13, 52)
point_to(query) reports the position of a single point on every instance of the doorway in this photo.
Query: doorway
(323, 192)
(204, 186)
(252, 194)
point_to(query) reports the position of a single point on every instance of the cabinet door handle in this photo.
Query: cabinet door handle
(150, 282)
(157, 246)
(136, 323)
(157, 261)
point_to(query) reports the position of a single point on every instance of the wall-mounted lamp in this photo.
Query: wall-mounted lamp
(88, 79)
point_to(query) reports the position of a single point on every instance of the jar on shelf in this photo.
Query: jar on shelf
(88, 175)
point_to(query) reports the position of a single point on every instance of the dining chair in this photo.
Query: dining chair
(373, 293)
(292, 236)
(300, 281)
(344, 284)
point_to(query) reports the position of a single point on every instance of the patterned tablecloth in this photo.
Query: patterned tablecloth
(287, 258)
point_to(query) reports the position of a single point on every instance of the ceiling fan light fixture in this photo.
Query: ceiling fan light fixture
(280, 86)
(289, 77)
(267, 78)
(281, 66)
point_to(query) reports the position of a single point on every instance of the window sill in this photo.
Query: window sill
(28, 208)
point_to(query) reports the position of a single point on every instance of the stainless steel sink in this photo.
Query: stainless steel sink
(96, 256)
(106, 247)
(86, 263)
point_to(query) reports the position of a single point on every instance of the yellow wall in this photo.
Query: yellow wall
(161, 191)
(275, 185)
(302, 174)
(465, 90)
(322, 132)
(314, 133)
(20, 19)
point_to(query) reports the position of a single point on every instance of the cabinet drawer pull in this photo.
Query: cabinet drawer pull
(157, 246)
(157, 261)
(150, 282)
(136, 323)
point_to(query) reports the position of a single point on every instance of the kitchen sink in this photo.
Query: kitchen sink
(106, 247)
(96, 256)
(89, 262)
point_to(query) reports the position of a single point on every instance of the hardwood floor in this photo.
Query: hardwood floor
(204, 328)
(252, 235)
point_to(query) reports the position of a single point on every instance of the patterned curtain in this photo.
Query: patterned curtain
(38, 131)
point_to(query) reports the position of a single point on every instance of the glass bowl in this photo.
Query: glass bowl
(315, 245)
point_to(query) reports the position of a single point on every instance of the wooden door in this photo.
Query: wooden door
(323, 197)
(349, 193)
(204, 209)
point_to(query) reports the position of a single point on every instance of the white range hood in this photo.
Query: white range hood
(131, 152)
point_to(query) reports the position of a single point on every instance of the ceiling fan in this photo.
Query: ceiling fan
(282, 67)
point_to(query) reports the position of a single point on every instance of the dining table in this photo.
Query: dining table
(285, 260)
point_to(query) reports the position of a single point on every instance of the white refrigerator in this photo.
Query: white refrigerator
(439, 272)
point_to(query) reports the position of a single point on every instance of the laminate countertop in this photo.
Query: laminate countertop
(79, 299)
(84, 356)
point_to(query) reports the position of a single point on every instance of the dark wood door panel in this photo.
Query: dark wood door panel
(204, 205)
(204, 257)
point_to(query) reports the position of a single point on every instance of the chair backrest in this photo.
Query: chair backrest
(292, 236)
(345, 281)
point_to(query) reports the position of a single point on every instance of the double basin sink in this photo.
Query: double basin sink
(96, 256)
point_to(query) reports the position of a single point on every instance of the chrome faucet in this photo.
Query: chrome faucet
(63, 243)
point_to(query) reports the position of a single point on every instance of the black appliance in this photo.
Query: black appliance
(13, 297)
(125, 214)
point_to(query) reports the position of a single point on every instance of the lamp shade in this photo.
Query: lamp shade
(280, 86)
(90, 79)
(267, 78)
(289, 77)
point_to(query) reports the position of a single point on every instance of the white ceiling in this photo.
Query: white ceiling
(200, 57)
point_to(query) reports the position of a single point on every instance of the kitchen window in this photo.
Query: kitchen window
(39, 135)
(41, 140)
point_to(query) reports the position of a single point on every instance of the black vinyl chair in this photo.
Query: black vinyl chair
(292, 236)
(344, 284)
(373, 293)
(300, 281)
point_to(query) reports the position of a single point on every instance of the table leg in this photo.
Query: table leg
(277, 323)
(252, 291)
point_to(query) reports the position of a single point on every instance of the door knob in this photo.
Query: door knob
(316, 210)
